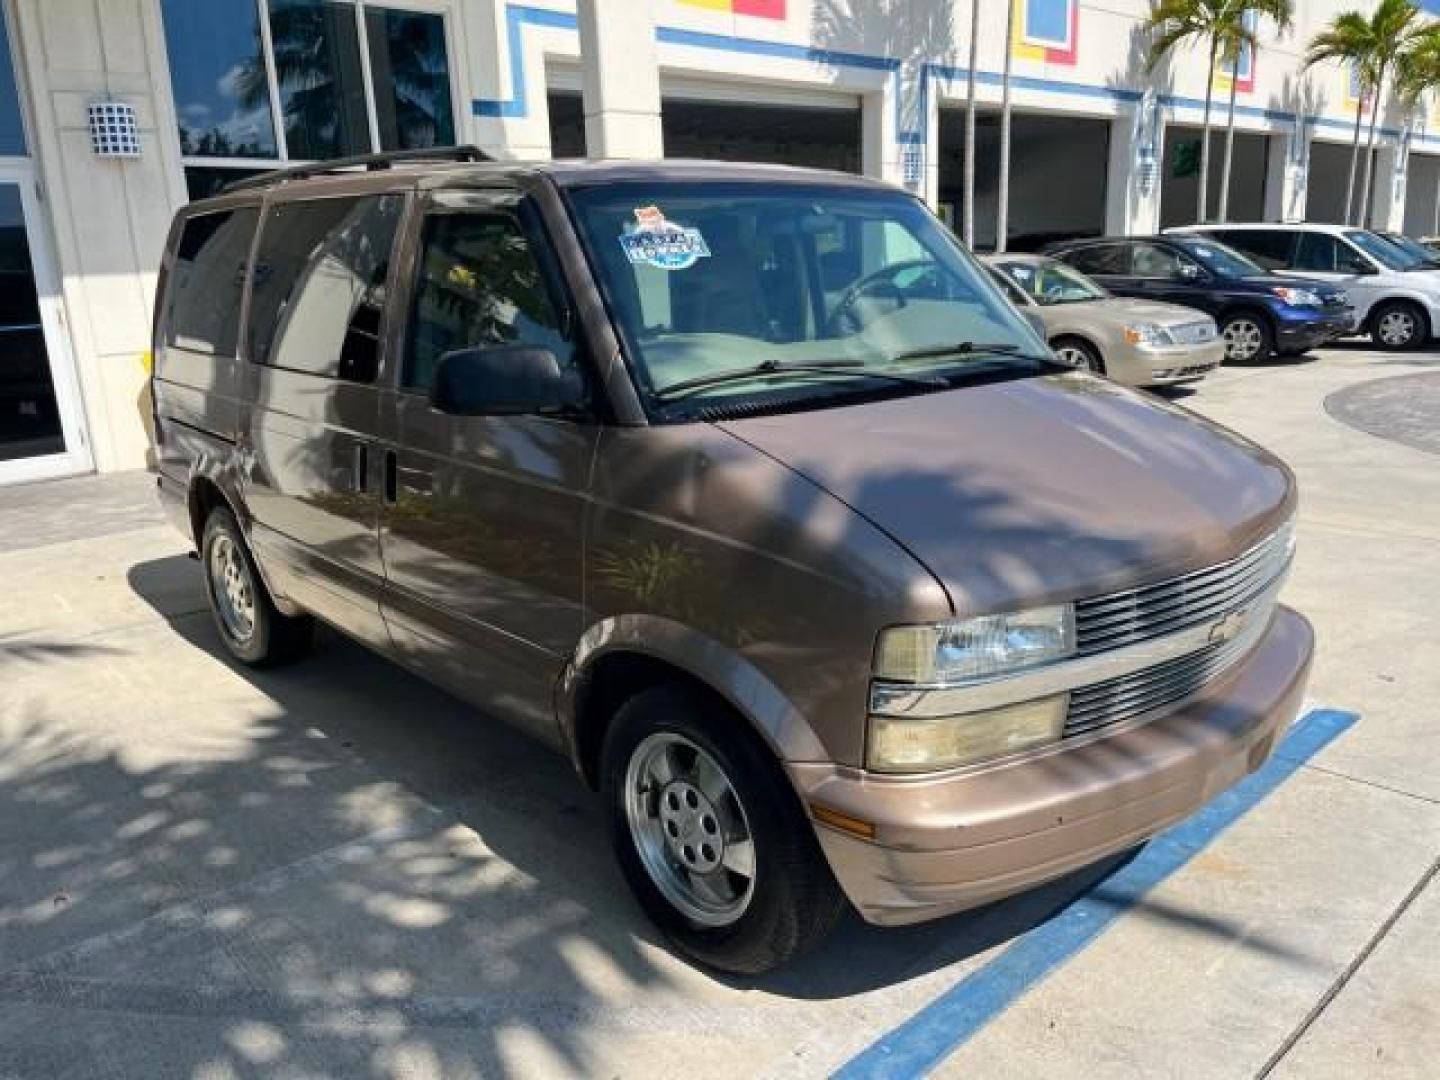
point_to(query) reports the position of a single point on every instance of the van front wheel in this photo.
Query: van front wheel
(251, 627)
(709, 835)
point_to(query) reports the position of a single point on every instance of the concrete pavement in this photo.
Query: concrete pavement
(334, 869)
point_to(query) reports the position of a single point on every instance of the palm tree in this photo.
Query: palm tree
(1244, 15)
(1372, 46)
(1417, 73)
(1002, 206)
(1173, 22)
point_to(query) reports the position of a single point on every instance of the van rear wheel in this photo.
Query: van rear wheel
(253, 629)
(710, 836)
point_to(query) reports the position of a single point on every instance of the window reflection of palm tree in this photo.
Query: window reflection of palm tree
(317, 67)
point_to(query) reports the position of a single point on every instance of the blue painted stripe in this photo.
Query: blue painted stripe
(669, 35)
(937, 1030)
(517, 17)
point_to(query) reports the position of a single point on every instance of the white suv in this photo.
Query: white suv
(1395, 294)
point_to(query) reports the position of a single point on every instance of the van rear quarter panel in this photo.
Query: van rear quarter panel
(694, 528)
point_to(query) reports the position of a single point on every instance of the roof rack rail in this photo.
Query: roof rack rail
(368, 162)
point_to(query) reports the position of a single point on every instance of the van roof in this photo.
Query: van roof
(467, 166)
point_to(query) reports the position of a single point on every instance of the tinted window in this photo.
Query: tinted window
(1271, 248)
(12, 131)
(1100, 259)
(319, 288)
(411, 76)
(322, 85)
(207, 279)
(479, 284)
(1327, 255)
(217, 70)
(1383, 251)
(1153, 261)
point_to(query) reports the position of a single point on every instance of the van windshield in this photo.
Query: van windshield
(1384, 252)
(789, 295)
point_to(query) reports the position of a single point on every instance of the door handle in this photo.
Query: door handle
(362, 468)
(392, 480)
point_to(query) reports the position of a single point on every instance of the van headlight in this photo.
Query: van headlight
(926, 661)
(959, 650)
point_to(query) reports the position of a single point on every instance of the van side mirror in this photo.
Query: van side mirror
(502, 380)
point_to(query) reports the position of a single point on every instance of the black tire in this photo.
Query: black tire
(1391, 316)
(273, 638)
(1256, 332)
(794, 901)
(1086, 357)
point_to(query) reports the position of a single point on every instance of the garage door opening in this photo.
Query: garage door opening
(1422, 195)
(1180, 173)
(1057, 176)
(812, 136)
(1325, 181)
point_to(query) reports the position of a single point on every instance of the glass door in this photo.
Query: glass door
(40, 433)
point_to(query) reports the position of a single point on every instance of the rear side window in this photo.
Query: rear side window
(1273, 249)
(320, 283)
(1100, 259)
(207, 280)
(480, 283)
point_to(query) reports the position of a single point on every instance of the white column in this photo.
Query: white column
(880, 152)
(109, 216)
(621, 73)
(1132, 180)
(1285, 176)
(1387, 191)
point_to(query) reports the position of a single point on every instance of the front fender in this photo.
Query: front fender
(728, 673)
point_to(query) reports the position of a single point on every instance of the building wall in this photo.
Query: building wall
(902, 60)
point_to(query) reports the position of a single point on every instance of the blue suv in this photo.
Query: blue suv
(1259, 313)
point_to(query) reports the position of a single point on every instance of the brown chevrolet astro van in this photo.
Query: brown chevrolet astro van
(745, 488)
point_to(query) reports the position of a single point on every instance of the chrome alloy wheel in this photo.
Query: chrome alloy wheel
(690, 829)
(1243, 339)
(232, 587)
(1076, 357)
(1397, 327)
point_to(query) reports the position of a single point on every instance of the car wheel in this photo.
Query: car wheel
(252, 628)
(1397, 326)
(710, 835)
(1078, 353)
(1247, 337)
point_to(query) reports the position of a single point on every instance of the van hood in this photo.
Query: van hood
(1037, 490)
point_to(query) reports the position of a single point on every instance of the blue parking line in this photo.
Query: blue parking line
(937, 1030)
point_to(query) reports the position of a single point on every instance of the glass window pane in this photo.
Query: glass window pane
(207, 280)
(29, 415)
(217, 70)
(322, 89)
(411, 74)
(203, 181)
(319, 290)
(12, 132)
(480, 284)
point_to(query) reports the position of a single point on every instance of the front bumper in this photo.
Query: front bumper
(1167, 365)
(953, 842)
(1299, 336)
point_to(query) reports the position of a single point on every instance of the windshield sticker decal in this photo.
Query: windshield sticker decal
(661, 243)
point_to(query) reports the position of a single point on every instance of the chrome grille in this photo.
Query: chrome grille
(1129, 696)
(1193, 333)
(1124, 618)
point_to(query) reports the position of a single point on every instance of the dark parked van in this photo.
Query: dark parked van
(745, 488)
(1259, 313)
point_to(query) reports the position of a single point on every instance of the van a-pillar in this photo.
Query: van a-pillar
(620, 80)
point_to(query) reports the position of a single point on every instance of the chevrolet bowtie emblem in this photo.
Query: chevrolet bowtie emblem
(1229, 627)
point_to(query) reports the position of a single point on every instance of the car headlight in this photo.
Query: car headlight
(905, 744)
(1297, 297)
(1147, 334)
(943, 654)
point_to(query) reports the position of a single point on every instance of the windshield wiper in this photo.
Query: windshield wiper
(964, 348)
(779, 367)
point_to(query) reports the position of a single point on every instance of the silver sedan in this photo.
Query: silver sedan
(1139, 342)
